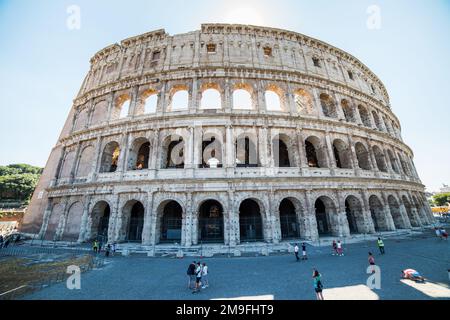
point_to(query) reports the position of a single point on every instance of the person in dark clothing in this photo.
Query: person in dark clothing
(191, 275)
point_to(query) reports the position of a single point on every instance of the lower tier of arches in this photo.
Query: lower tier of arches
(232, 217)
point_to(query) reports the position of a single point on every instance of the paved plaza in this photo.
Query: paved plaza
(272, 277)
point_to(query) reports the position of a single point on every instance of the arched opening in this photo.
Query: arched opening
(242, 99)
(139, 155)
(273, 101)
(379, 158)
(100, 221)
(377, 214)
(250, 221)
(180, 100)
(85, 163)
(364, 114)
(136, 223)
(404, 165)
(304, 102)
(171, 222)
(348, 111)
(211, 99)
(324, 209)
(315, 153)
(363, 156)
(73, 221)
(53, 222)
(151, 103)
(210, 222)
(246, 152)
(393, 161)
(328, 106)
(68, 162)
(211, 152)
(173, 153)
(290, 228)
(280, 153)
(122, 107)
(396, 214)
(376, 118)
(110, 157)
(411, 216)
(342, 155)
(355, 215)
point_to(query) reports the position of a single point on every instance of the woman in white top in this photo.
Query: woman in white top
(205, 276)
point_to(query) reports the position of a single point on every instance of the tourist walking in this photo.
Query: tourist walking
(340, 251)
(304, 256)
(198, 278)
(205, 281)
(335, 251)
(95, 246)
(371, 260)
(191, 275)
(113, 249)
(296, 252)
(444, 234)
(380, 245)
(438, 233)
(108, 249)
(318, 287)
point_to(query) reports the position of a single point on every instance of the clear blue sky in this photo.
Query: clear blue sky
(43, 63)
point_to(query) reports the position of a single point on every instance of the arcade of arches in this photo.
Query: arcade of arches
(253, 219)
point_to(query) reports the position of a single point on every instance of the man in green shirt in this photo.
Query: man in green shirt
(380, 245)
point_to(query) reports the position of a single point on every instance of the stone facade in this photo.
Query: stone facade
(303, 136)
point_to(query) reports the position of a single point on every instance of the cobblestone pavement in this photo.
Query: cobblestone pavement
(273, 277)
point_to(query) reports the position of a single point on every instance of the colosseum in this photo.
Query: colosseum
(231, 135)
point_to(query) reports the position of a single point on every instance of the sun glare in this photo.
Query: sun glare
(244, 15)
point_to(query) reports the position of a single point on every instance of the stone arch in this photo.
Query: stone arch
(110, 157)
(84, 167)
(355, 215)
(283, 151)
(69, 161)
(377, 120)
(247, 150)
(148, 102)
(348, 111)
(139, 155)
(396, 213)
(242, 99)
(81, 119)
(304, 101)
(393, 161)
(326, 216)
(56, 216)
(380, 159)
(179, 98)
(73, 222)
(173, 152)
(409, 212)
(316, 155)
(100, 112)
(251, 225)
(328, 106)
(363, 156)
(378, 214)
(212, 150)
(211, 97)
(290, 213)
(420, 210)
(99, 221)
(364, 115)
(170, 221)
(133, 213)
(121, 107)
(274, 98)
(211, 221)
(342, 154)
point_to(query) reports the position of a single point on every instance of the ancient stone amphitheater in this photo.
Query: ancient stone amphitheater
(229, 135)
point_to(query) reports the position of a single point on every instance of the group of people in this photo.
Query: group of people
(337, 248)
(296, 250)
(441, 233)
(197, 273)
(109, 249)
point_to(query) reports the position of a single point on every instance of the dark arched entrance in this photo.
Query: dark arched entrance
(136, 222)
(102, 230)
(250, 221)
(288, 220)
(211, 222)
(323, 225)
(172, 222)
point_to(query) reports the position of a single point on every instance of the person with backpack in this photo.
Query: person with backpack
(318, 287)
(380, 244)
(296, 252)
(304, 256)
(191, 275)
(198, 277)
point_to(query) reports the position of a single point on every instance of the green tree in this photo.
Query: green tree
(441, 199)
(17, 182)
